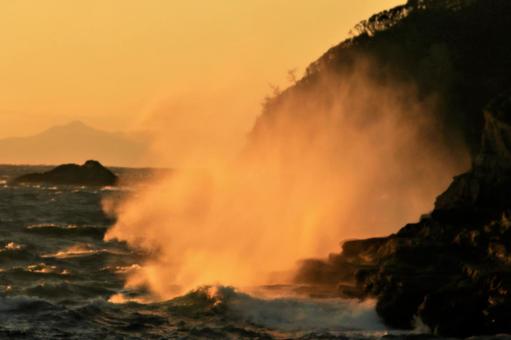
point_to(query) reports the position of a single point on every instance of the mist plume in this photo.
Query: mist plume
(343, 159)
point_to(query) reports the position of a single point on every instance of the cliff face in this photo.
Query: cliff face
(452, 270)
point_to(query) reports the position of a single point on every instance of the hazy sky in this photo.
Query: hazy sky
(114, 63)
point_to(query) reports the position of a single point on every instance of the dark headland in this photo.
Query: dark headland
(90, 173)
(452, 270)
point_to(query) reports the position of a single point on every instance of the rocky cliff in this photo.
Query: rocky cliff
(452, 270)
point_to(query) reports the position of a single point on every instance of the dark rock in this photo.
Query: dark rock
(90, 173)
(486, 188)
(454, 311)
(397, 307)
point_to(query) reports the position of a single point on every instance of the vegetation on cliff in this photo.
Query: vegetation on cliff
(452, 51)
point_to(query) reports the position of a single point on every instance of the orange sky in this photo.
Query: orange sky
(114, 63)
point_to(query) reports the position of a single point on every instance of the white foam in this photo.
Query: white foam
(12, 246)
(297, 314)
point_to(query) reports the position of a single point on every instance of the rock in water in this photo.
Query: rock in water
(90, 173)
(452, 270)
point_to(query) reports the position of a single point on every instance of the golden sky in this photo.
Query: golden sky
(113, 63)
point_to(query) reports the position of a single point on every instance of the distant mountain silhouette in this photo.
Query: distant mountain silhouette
(73, 142)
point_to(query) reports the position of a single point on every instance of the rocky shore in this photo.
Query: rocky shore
(451, 271)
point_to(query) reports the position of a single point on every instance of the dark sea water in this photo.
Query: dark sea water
(57, 275)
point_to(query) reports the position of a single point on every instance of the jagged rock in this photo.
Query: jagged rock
(90, 173)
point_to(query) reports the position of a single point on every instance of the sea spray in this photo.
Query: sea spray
(315, 171)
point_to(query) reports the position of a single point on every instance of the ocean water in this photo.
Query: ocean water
(57, 276)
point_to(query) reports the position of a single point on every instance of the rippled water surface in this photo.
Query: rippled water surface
(57, 276)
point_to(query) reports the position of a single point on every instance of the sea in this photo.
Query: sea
(58, 277)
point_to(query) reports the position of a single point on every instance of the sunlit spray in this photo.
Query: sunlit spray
(341, 159)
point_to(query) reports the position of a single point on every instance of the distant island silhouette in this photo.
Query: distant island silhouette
(90, 173)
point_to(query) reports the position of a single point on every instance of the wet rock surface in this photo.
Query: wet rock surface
(90, 173)
(452, 270)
